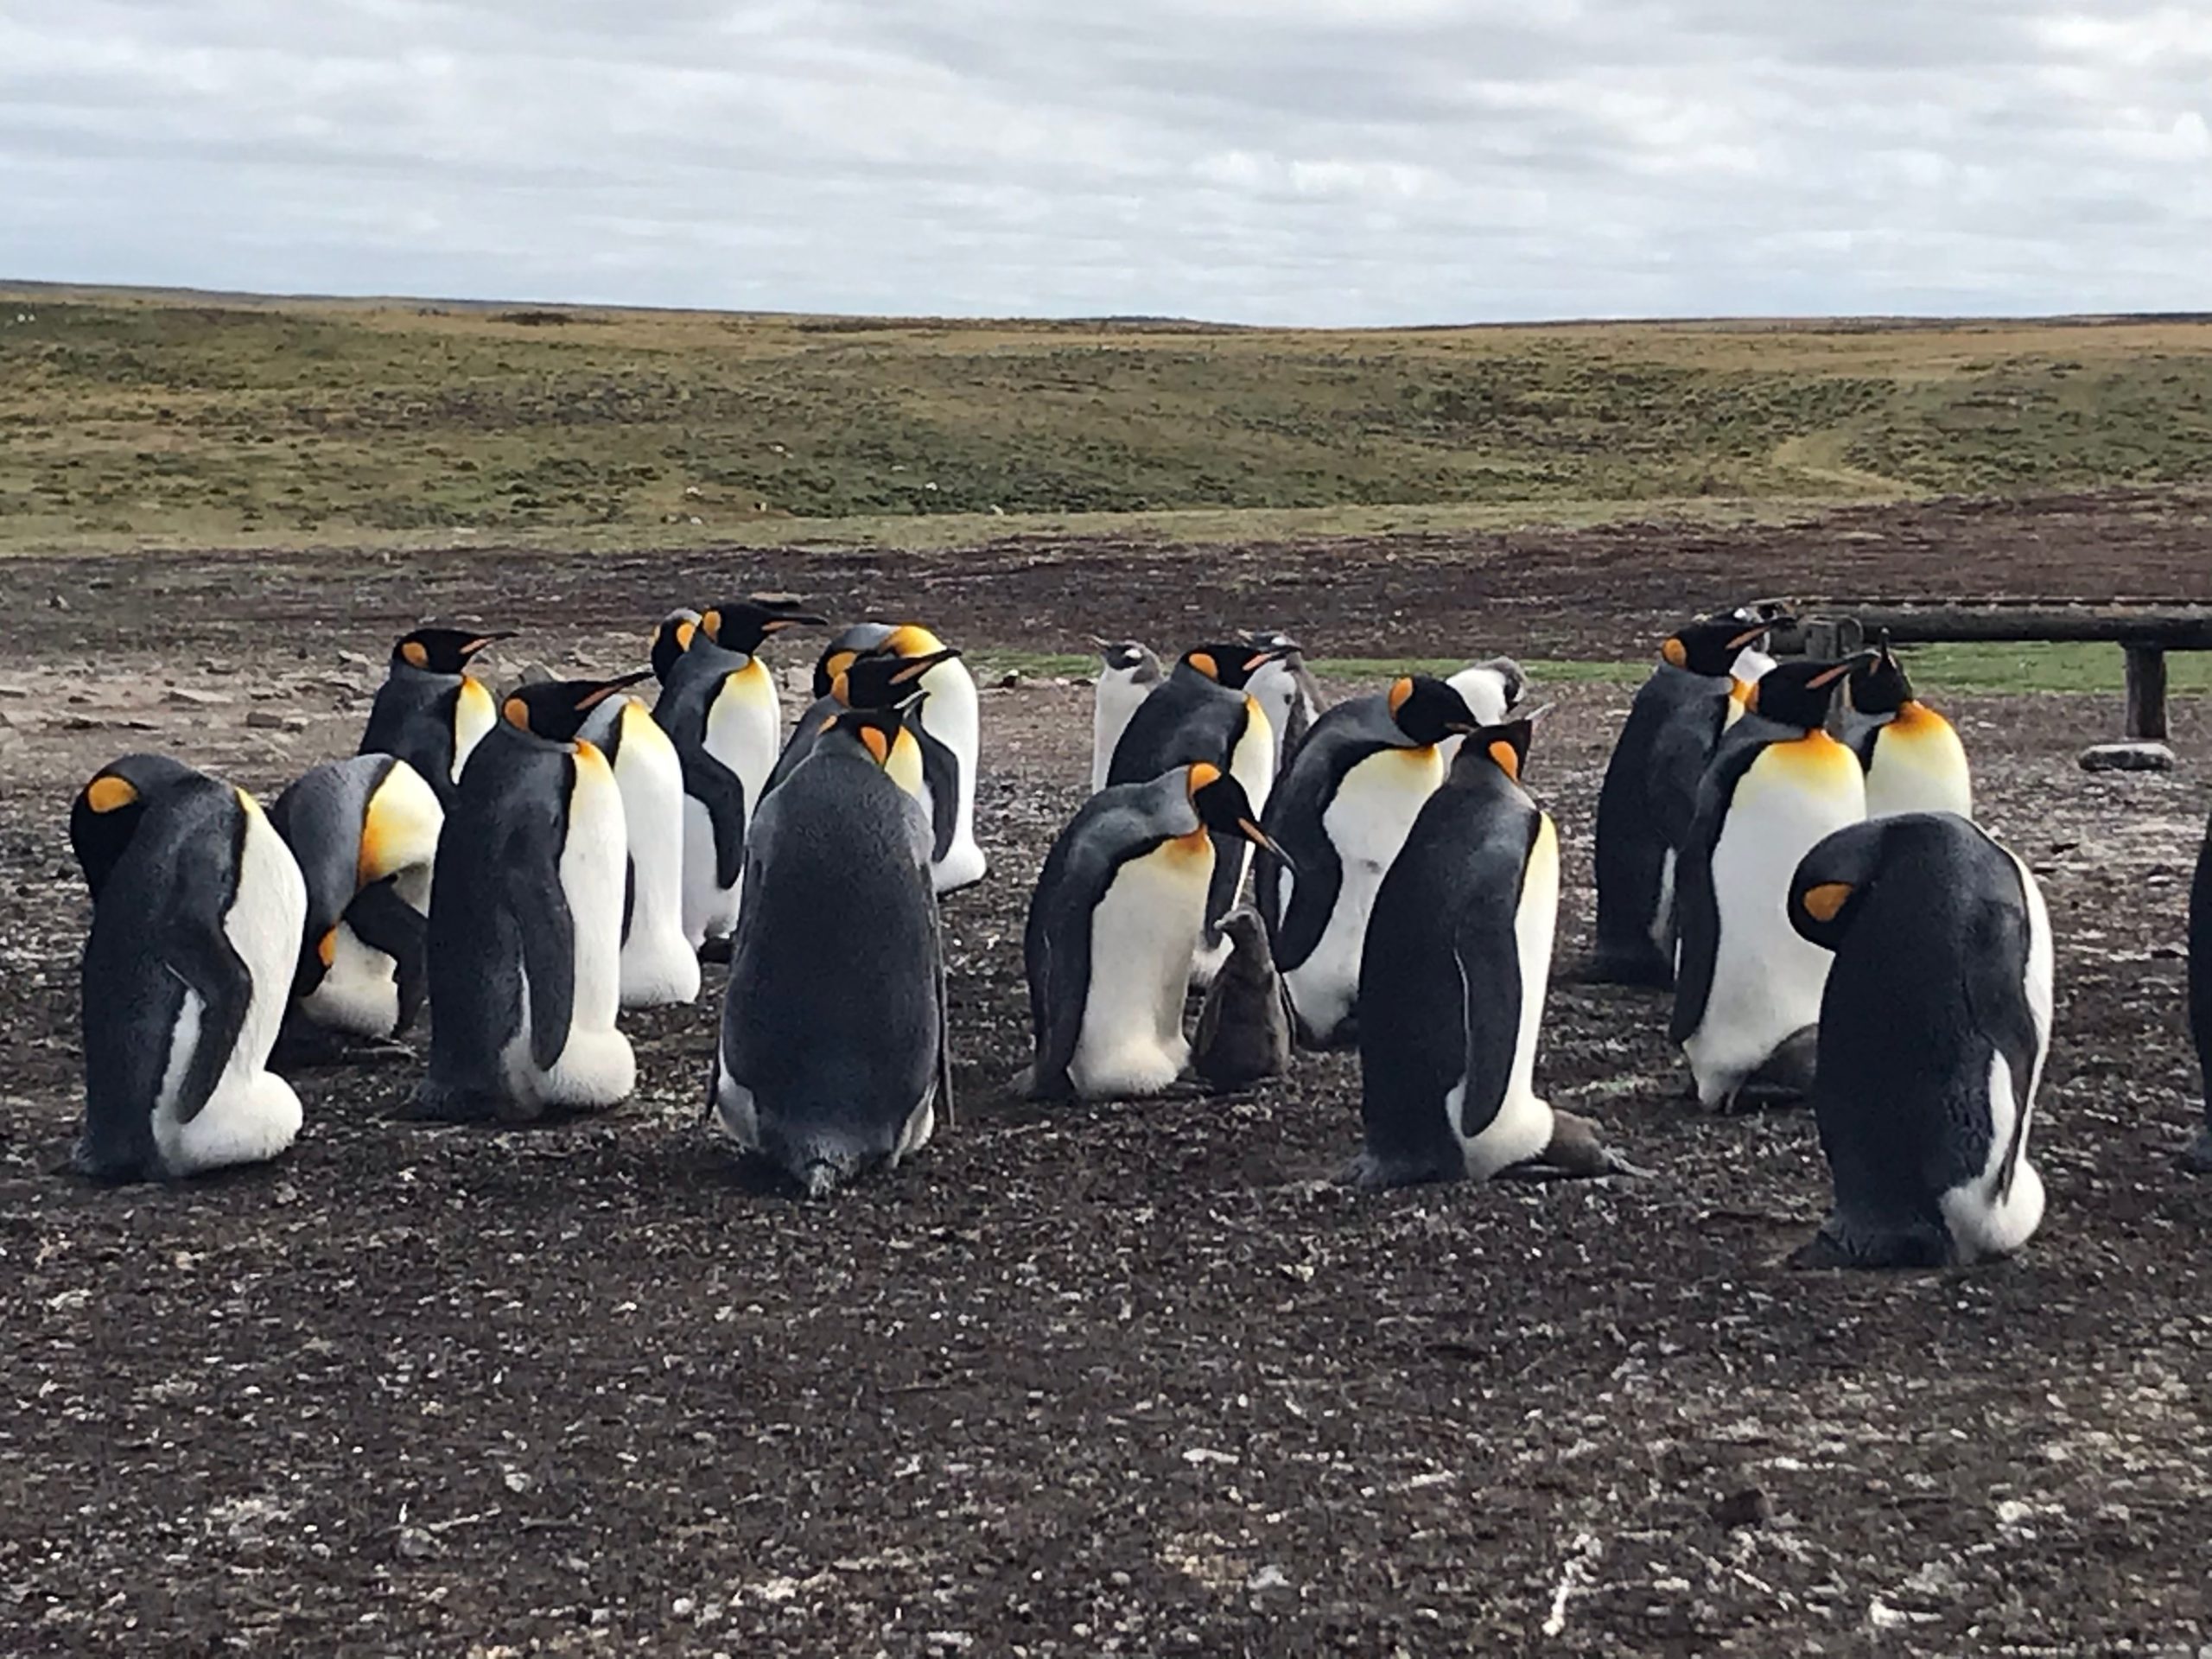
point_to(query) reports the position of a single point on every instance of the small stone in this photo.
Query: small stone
(15, 690)
(189, 698)
(354, 659)
(2137, 755)
(1749, 1508)
(416, 1545)
(537, 674)
(272, 720)
(57, 603)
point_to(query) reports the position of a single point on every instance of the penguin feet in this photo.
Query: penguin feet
(2196, 1156)
(1647, 971)
(716, 949)
(1839, 1245)
(440, 1103)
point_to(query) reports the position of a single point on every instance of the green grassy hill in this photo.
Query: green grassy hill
(131, 416)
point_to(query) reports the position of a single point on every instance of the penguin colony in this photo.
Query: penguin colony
(1831, 923)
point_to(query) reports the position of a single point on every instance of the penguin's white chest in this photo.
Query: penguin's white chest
(593, 862)
(1919, 765)
(474, 714)
(1118, 698)
(1142, 933)
(745, 727)
(659, 964)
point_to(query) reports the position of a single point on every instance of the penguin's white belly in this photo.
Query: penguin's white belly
(1252, 764)
(745, 728)
(660, 965)
(1767, 980)
(1522, 1128)
(1367, 822)
(1142, 933)
(474, 715)
(1118, 698)
(252, 1114)
(1662, 911)
(359, 992)
(951, 716)
(709, 910)
(1921, 768)
(596, 1067)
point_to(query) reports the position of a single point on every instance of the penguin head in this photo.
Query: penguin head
(1130, 657)
(1224, 807)
(741, 625)
(1709, 645)
(671, 639)
(882, 680)
(1798, 693)
(1234, 663)
(876, 729)
(1833, 880)
(861, 639)
(440, 651)
(556, 709)
(1502, 747)
(107, 810)
(1877, 686)
(1287, 650)
(1427, 711)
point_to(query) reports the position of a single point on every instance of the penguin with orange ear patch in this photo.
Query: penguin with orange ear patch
(525, 938)
(430, 711)
(1913, 759)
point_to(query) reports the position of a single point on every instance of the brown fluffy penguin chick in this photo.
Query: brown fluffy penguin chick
(1244, 1026)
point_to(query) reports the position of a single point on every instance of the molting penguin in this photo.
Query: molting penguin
(719, 706)
(1747, 988)
(526, 920)
(660, 968)
(365, 832)
(1128, 672)
(197, 910)
(1650, 795)
(833, 1055)
(430, 711)
(1119, 907)
(1934, 1031)
(1452, 982)
(1286, 691)
(1203, 713)
(1354, 788)
(1914, 760)
(1245, 1023)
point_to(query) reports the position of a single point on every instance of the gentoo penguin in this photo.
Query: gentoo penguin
(833, 1056)
(1245, 1023)
(197, 909)
(1451, 986)
(1747, 988)
(1118, 910)
(719, 706)
(365, 832)
(526, 920)
(1354, 788)
(1203, 712)
(2198, 1156)
(1285, 690)
(1650, 795)
(660, 968)
(1934, 1030)
(1914, 760)
(1127, 674)
(430, 711)
(671, 639)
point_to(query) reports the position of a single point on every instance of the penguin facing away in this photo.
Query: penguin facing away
(1118, 908)
(1244, 1024)
(1747, 988)
(1453, 982)
(1127, 674)
(1649, 796)
(430, 711)
(660, 968)
(1913, 759)
(834, 1055)
(197, 911)
(365, 832)
(525, 936)
(671, 639)
(2198, 1156)
(1354, 789)
(720, 707)
(1286, 691)
(1934, 1030)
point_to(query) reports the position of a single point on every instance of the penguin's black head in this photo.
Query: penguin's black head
(1710, 645)
(556, 709)
(1798, 693)
(880, 680)
(440, 651)
(1287, 650)
(671, 639)
(741, 625)
(1427, 711)
(861, 639)
(875, 729)
(1775, 613)
(1503, 747)
(1833, 880)
(107, 810)
(1231, 664)
(1130, 657)
(1879, 685)
(1224, 807)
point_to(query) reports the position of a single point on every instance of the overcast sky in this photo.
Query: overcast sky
(1263, 161)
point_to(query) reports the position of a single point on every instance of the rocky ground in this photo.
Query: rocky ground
(1107, 1380)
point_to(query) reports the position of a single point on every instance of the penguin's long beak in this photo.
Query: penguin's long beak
(915, 667)
(1858, 659)
(609, 688)
(778, 624)
(484, 639)
(1267, 654)
(1260, 837)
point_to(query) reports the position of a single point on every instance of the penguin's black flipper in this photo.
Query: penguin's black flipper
(205, 962)
(722, 793)
(383, 921)
(2000, 942)
(539, 905)
(1697, 907)
(1056, 949)
(941, 776)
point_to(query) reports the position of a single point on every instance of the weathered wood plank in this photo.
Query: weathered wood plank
(2147, 692)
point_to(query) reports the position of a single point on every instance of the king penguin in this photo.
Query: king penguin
(660, 968)
(1650, 794)
(834, 1053)
(671, 639)
(526, 935)
(1747, 988)
(1935, 1027)
(874, 678)
(1451, 986)
(1913, 759)
(1491, 688)
(197, 911)
(430, 711)
(365, 832)
(719, 706)
(1127, 673)
(1204, 712)
(1354, 788)
(1118, 909)
(1285, 690)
